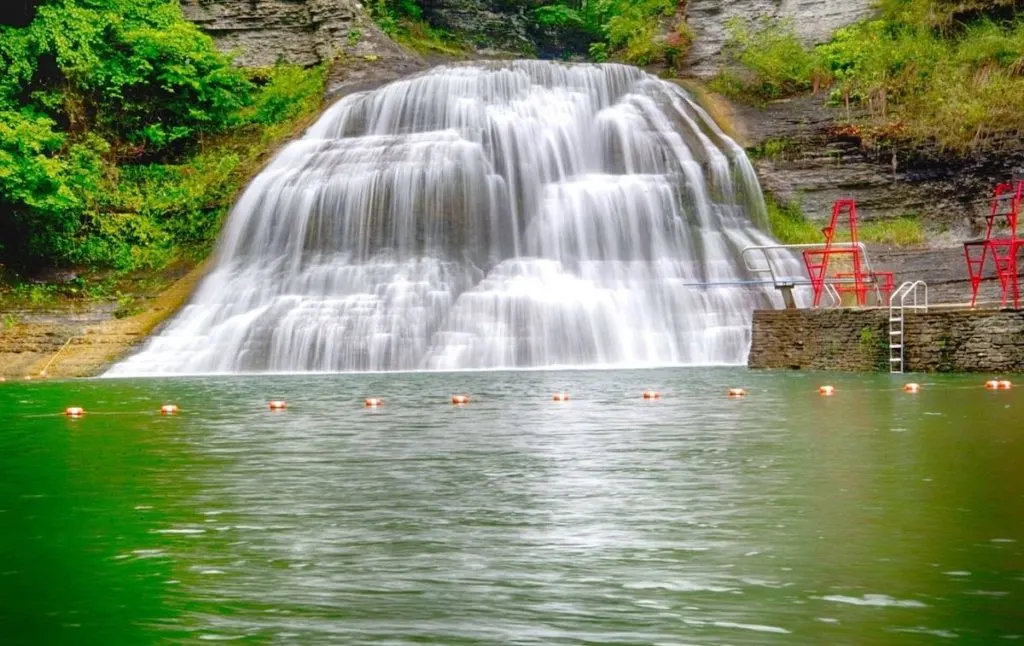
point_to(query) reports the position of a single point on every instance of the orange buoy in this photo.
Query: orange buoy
(277, 404)
(560, 397)
(1005, 385)
(460, 400)
(652, 394)
(74, 411)
(992, 384)
(827, 391)
(373, 402)
(912, 388)
(169, 409)
(737, 392)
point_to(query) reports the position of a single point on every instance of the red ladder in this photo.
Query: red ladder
(817, 260)
(1006, 203)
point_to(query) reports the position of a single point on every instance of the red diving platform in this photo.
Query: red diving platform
(1006, 204)
(858, 281)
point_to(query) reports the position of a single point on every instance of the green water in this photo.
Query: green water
(872, 517)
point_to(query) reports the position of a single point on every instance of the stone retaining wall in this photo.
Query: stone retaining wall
(858, 340)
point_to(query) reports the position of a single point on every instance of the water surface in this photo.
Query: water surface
(872, 517)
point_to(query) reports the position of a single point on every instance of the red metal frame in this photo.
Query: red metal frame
(817, 260)
(1002, 250)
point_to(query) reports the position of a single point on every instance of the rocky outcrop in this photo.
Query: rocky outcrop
(813, 20)
(492, 26)
(306, 32)
(82, 341)
(814, 161)
(263, 32)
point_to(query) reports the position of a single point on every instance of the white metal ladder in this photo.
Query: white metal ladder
(897, 306)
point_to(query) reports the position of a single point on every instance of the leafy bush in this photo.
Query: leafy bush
(776, 62)
(625, 28)
(286, 92)
(135, 70)
(123, 133)
(560, 16)
(787, 223)
(403, 21)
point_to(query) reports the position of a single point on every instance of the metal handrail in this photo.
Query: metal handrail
(770, 270)
(769, 267)
(907, 289)
(897, 336)
(833, 293)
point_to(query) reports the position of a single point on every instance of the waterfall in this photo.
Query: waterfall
(511, 214)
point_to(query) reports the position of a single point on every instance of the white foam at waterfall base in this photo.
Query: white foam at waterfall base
(507, 215)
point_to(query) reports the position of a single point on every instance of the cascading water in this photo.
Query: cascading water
(512, 214)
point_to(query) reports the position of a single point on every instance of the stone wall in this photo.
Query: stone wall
(857, 340)
(826, 339)
(965, 341)
(813, 20)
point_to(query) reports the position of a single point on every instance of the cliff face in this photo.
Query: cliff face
(813, 20)
(306, 32)
(821, 164)
(261, 32)
(506, 25)
(491, 25)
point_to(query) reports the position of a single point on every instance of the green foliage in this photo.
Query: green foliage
(560, 16)
(904, 231)
(874, 345)
(775, 61)
(124, 134)
(403, 21)
(27, 296)
(285, 92)
(868, 337)
(772, 148)
(629, 29)
(127, 305)
(788, 225)
(941, 71)
(598, 52)
(132, 69)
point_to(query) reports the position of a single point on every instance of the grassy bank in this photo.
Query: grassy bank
(948, 73)
(789, 226)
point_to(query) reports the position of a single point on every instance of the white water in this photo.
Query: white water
(517, 214)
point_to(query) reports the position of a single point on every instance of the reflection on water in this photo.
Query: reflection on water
(871, 517)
